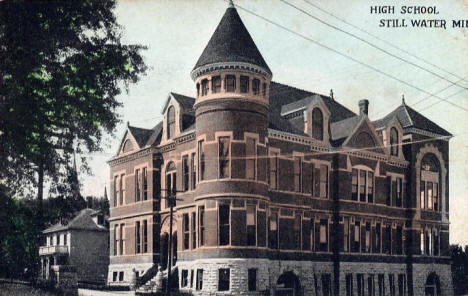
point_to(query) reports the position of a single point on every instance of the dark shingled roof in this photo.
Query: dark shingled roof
(231, 42)
(342, 129)
(285, 98)
(155, 136)
(141, 135)
(408, 117)
(82, 221)
(185, 102)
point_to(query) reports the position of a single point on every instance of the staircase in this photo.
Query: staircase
(154, 281)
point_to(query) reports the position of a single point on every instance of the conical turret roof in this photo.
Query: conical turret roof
(231, 42)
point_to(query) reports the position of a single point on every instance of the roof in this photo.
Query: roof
(231, 42)
(185, 102)
(156, 134)
(82, 221)
(342, 129)
(408, 117)
(285, 99)
(141, 135)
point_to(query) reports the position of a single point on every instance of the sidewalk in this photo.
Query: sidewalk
(88, 292)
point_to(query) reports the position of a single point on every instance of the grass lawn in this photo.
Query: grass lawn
(8, 289)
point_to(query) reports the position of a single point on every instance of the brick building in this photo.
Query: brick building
(280, 189)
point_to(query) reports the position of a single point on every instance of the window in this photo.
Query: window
(391, 281)
(381, 280)
(422, 242)
(198, 89)
(191, 278)
(244, 84)
(368, 238)
(171, 182)
(399, 240)
(354, 185)
(370, 285)
(121, 240)
(394, 142)
(436, 242)
(184, 278)
(204, 87)
(273, 228)
(297, 174)
(252, 279)
(216, 84)
(186, 231)
(224, 218)
(116, 239)
(121, 276)
(346, 234)
(317, 124)
(145, 184)
(360, 284)
(324, 181)
(230, 83)
(370, 187)
(193, 170)
(362, 186)
(273, 170)
(199, 285)
(223, 154)
(170, 122)
(137, 185)
(356, 236)
(297, 231)
(114, 276)
(122, 188)
(251, 155)
(185, 173)
(377, 238)
(326, 284)
(256, 86)
(349, 285)
(264, 89)
(399, 192)
(430, 180)
(116, 189)
(194, 233)
(137, 237)
(312, 230)
(201, 224)
(401, 285)
(223, 279)
(387, 239)
(201, 160)
(251, 225)
(323, 235)
(145, 236)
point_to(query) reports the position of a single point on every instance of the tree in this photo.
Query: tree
(459, 269)
(62, 66)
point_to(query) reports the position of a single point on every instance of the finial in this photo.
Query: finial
(403, 99)
(231, 4)
(331, 93)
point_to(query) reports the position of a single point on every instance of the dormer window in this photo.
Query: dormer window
(317, 124)
(256, 86)
(244, 84)
(394, 141)
(170, 122)
(230, 83)
(216, 84)
(204, 87)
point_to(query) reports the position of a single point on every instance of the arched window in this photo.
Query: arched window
(204, 87)
(430, 184)
(170, 122)
(171, 182)
(394, 141)
(317, 124)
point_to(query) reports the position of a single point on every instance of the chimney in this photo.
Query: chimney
(364, 107)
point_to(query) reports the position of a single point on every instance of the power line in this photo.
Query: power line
(346, 56)
(385, 41)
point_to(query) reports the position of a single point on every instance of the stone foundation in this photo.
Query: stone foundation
(127, 270)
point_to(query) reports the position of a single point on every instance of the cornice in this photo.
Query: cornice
(229, 66)
(129, 157)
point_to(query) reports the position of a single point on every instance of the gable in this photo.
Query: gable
(128, 144)
(364, 137)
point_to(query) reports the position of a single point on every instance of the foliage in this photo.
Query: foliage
(459, 269)
(62, 67)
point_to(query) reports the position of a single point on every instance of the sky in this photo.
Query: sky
(177, 31)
